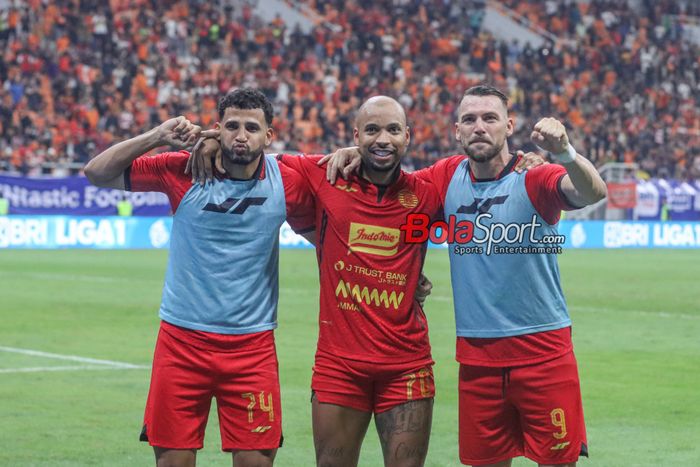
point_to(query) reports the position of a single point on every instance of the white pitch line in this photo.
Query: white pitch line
(74, 358)
(39, 369)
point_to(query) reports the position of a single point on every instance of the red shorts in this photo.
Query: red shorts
(533, 410)
(187, 373)
(368, 386)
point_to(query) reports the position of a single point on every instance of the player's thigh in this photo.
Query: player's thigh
(179, 397)
(489, 429)
(548, 396)
(338, 433)
(404, 433)
(342, 382)
(248, 400)
(256, 458)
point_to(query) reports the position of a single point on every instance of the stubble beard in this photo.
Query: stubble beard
(239, 159)
(485, 155)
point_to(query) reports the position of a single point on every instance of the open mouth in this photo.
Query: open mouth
(382, 153)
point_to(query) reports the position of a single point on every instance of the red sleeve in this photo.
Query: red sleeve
(440, 173)
(543, 185)
(163, 172)
(301, 209)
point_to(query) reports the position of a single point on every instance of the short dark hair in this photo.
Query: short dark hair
(246, 98)
(487, 90)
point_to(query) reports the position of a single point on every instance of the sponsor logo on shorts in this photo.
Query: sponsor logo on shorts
(560, 446)
(408, 199)
(261, 429)
(368, 296)
(373, 239)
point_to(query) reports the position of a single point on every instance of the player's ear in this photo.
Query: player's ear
(457, 136)
(511, 125)
(217, 126)
(269, 134)
(408, 135)
(356, 136)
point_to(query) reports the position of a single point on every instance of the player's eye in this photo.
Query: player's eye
(252, 128)
(232, 126)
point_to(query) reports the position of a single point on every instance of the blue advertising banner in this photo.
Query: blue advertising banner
(53, 232)
(74, 196)
(630, 234)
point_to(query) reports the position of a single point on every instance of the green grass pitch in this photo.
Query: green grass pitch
(636, 320)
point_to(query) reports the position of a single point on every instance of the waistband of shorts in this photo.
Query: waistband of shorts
(220, 342)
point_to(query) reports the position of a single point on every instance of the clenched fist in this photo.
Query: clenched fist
(177, 132)
(550, 134)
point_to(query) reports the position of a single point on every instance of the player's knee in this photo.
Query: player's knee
(406, 454)
(263, 458)
(335, 456)
(174, 458)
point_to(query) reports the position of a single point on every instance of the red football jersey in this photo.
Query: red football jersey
(368, 275)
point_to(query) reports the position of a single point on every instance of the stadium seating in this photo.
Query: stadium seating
(78, 76)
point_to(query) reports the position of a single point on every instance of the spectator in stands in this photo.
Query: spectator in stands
(627, 78)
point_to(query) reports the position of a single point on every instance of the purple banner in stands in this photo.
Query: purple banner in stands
(680, 199)
(75, 196)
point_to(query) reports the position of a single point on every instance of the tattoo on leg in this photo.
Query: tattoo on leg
(410, 417)
(334, 452)
(405, 451)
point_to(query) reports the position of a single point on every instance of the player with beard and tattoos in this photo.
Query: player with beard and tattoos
(219, 304)
(519, 391)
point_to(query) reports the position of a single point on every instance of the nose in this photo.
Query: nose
(383, 138)
(241, 136)
(479, 127)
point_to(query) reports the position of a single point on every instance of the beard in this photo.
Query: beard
(239, 158)
(483, 155)
(387, 166)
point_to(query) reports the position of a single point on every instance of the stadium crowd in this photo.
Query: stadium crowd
(78, 75)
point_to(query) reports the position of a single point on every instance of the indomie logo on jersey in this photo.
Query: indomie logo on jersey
(363, 294)
(241, 207)
(373, 239)
(481, 205)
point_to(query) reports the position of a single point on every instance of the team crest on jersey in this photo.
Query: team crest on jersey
(373, 239)
(408, 199)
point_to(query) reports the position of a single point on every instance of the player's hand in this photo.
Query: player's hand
(205, 156)
(529, 161)
(343, 161)
(424, 288)
(550, 134)
(178, 133)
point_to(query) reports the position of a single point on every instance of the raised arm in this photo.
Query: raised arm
(107, 168)
(582, 185)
